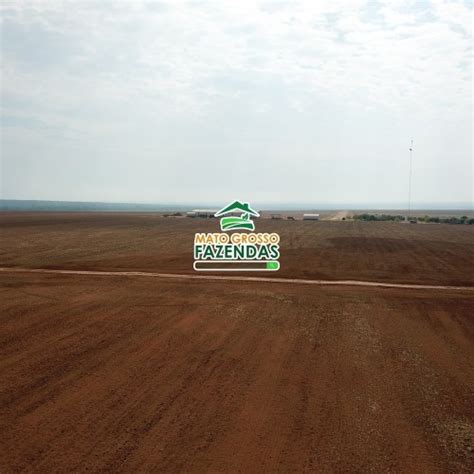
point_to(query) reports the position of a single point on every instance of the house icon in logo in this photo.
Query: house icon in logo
(237, 216)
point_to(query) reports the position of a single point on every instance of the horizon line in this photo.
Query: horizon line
(268, 205)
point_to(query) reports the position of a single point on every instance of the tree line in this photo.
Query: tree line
(400, 218)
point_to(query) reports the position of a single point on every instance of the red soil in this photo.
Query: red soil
(128, 374)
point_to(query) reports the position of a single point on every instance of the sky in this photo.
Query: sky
(263, 101)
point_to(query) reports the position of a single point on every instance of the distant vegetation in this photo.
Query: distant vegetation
(378, 217)
(173, 214)
(447, 220)
(399, 218)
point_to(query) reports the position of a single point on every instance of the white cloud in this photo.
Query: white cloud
(99, 72)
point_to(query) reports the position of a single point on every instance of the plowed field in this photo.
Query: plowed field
(129, 374)
(379, 251)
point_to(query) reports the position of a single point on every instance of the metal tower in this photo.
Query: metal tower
(409, 180)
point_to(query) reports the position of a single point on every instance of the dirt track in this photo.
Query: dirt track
(300, 281)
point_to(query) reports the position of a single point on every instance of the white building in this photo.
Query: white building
(311, 217)
(202, 213)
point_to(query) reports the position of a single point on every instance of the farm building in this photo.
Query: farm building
(202, 213)
(311, 217)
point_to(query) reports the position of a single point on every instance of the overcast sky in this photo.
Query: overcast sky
(264, 101)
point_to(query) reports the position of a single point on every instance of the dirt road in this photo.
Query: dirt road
(179, 276)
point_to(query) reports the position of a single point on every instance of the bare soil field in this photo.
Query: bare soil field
(127, 374)
(131, 374)
(327, 250)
